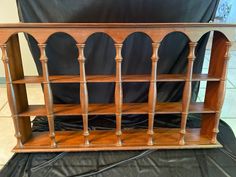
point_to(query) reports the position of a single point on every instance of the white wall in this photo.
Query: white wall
(8, 14)
(232, 15)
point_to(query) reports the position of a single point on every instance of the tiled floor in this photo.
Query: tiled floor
(7, 142)
(35, 96)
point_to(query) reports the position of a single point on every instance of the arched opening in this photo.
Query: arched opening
(100, 61)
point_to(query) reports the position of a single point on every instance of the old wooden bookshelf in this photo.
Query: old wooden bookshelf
(118, 139)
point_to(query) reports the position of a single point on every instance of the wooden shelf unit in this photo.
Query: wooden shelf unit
(118, 139)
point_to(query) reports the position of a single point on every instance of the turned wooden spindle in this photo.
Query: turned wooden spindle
(187, 91)
(83, 92)
(11, 95)
(221, 92)
(118, 93)
(152, 93)
(48, 97)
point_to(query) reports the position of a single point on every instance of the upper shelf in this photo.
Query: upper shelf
(111, 78)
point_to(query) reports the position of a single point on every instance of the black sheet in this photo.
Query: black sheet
(99, 54)
(100, 51)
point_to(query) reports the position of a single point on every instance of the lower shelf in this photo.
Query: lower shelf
(133, 139)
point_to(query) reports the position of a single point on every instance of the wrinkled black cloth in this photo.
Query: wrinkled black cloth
(100, 53)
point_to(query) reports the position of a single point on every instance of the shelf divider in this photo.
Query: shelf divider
(48, 97)
(11, 96)
(187, 91)
(215, 92)
(83, 93)
(152, 95)
(118, 93)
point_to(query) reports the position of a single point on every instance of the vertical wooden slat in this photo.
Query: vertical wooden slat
(118, 93)
(17, 72)
(47, 94)
(187, 91)
(83, 92)
(221, 92)
(152, 96)
(11, 96)
(215, 91)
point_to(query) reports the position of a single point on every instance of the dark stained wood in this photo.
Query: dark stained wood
(118, 139)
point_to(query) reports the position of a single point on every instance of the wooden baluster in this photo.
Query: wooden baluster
(83, 93)
(47, 94)
(152, 93)
(118, 93)
(11, 95)
(221, 93)
(187, 91)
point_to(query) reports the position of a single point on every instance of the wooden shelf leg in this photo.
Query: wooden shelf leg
(118, 93)
(221, 92)
(48, 95)
(152, 95)
(83, 93)
(215, 91)
(52, 130)
(187, 92)
(11, 96)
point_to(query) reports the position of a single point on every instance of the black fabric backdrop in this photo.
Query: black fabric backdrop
(136, 52)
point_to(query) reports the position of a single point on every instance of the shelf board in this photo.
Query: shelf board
(164, 138)
(111, 78)
(109, 109)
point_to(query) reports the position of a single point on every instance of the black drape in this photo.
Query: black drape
(136, 52)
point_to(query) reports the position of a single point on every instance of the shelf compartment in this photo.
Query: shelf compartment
(164, 138)
(111, 78)
(109, 109)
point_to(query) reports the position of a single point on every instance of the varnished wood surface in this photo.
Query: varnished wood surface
(109, 109)
(100, 140)
(117, 31)
(110, 78)
(119, 139)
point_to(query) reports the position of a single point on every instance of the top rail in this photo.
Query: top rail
(117, 31)
(115, 25)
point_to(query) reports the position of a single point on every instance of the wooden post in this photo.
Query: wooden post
(152, 96)
(221, 93)
(48, 97)
(83, 93)
(17, 96)
(118, 93)
(187, 91)
(11, 96)
(215, 91)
